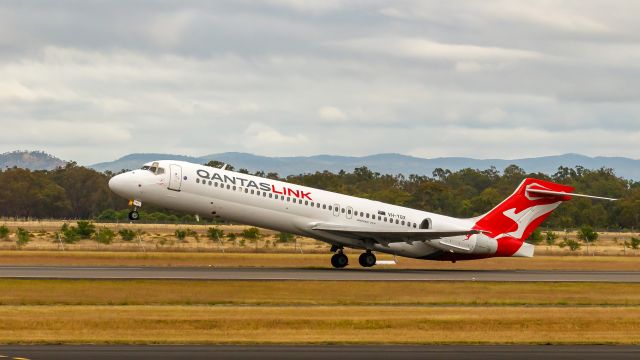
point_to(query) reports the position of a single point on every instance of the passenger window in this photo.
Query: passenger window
(210, 182)
(197, 180)
(307, 203)
(349, 212)
(288, 199)
(270, 195)
(329, 207)
(318, 205)
(385, 219)
(312, 205)
(253, 191)
(367, 215)
(397, 221)
(246, 191)
(228, 186)
(402, 222)
(343, 210)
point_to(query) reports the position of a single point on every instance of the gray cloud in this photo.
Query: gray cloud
(93, 80)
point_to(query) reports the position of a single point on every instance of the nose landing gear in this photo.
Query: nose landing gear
(367, 259)
(133, 214)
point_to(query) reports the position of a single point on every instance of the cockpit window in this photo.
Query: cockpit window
(154, 169)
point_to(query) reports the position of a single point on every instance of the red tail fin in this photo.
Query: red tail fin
(514, 219)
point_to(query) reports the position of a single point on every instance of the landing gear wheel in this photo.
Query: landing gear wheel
(339, 260)
(134, 216)
(367, 259)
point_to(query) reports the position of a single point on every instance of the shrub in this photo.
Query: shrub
(570, 243)
(85, 229)
(104, 236)
(251, 233)
(284, 237)
(181, 234)
(69, 233)
(214, 233)
(550, 238)
(635, 243)
(127, 234)
(232, 236)
(22, 237)
(193, 234)
(4, 232)
(535, 238)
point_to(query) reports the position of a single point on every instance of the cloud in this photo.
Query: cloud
(305, 77)
(331, 114)
(419, 48)
(264, 138)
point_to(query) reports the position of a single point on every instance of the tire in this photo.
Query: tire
(339, 261)
(367, 259)
(134, 216)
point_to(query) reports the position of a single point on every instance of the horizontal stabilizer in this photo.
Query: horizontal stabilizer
(562, 193)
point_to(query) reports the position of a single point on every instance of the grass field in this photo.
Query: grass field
(326, 293)
(319, 324)
(205, 259)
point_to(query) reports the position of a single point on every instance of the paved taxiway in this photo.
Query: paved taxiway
(72, 352)
(63, 272)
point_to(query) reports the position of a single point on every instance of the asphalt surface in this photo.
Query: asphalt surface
(71, 352)
(63, 272)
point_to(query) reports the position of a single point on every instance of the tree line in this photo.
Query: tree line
(77, 192)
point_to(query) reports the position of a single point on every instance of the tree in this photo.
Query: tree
(588, 235)
(550, 238)
(218, 164)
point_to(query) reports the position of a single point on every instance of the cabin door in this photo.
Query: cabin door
(175, 177)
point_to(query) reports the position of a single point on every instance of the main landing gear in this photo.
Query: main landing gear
(367, 259)
(340, 260)
(133, 214)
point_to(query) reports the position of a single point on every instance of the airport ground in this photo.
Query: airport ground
(162, 311)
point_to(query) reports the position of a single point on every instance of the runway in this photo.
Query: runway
(283, 274)
(158, 352)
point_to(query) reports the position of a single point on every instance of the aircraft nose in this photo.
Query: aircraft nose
(118, 184)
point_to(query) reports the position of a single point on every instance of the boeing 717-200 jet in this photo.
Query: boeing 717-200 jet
(342, 220)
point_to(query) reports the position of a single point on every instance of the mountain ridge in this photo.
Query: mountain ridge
(386, 163)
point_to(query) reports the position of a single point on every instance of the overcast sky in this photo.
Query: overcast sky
(94, 80)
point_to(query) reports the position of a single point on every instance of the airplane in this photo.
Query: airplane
(342, 220)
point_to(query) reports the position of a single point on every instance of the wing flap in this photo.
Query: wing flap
(392, 235)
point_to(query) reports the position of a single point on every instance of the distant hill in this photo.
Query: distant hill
(34, 160)
(383, 163)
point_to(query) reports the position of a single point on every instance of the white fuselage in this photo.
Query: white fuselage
(243, 198)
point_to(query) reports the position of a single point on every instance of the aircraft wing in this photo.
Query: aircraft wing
(391, 235)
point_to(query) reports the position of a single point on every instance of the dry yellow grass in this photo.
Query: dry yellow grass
(318, 324)
(160, 237)
(176, 292)
(205, 259)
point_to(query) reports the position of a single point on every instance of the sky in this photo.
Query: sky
(91, 81)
